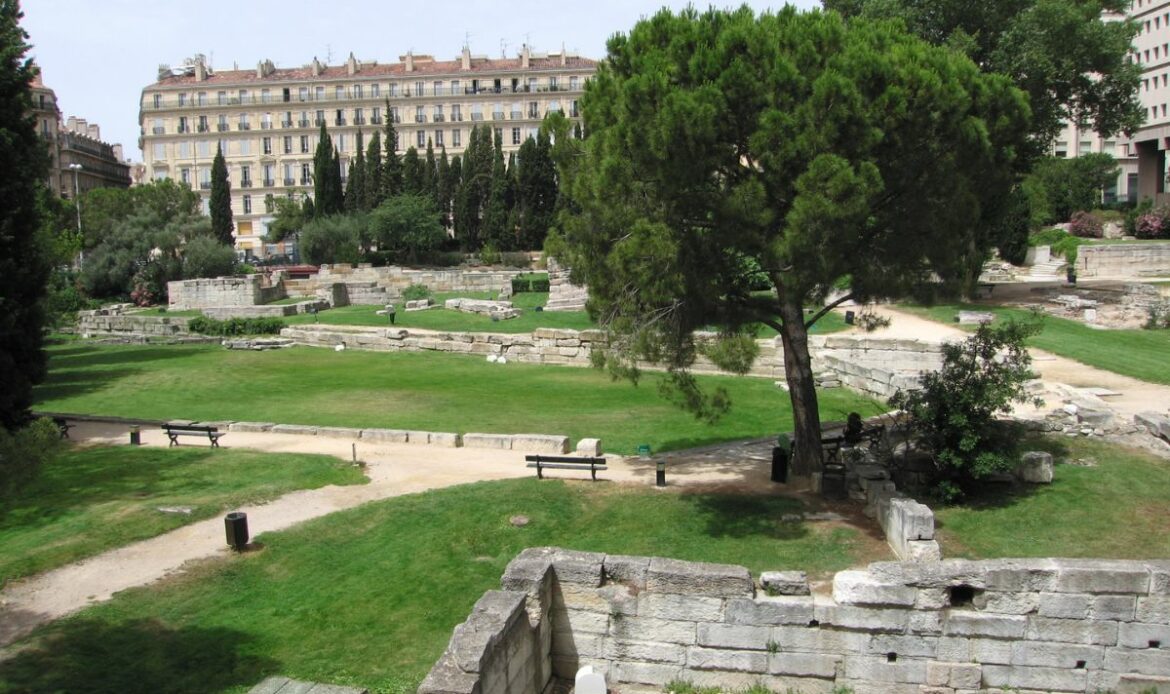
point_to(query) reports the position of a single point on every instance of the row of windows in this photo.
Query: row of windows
(514, 85)
(1153, 82)
(1060, 148)
(1162, 51)
(436, 113)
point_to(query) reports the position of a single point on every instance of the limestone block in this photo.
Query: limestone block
(652, 629)
(250, 426)
(879, 669)
(1113, 607)
(974, 317)
(1042, 678)
(698, 658)
(656, 674)
(734, 636)
(1101, 576)
(922, 551)
(1035, 467)
(1154, 422)
(1139, 635)
(539, 443)
(967, 623)
(1057, 655)
(913, 646)
(915, 521)
(861, 588)
(496, 441)
(578, 568)
(1155, 609)
(1072, 631)
(442, 439)
(447, 678)
(770, 611)
(294, 429)
(925, 623)
(385, 435)
(582, 645)
(645, 651)
(589, 447)
(1063, 605)
(804, 664)
(421, 438)
(339, 432)
(626, 569)
(784, 582)
(698, 578)
(680, 607)
(1095, 417)
(1002, 602)
(579, 621)
(815, 640)
(862, 618)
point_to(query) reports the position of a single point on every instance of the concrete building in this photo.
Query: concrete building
(1151, 50)
(267, 120)
(76, 142)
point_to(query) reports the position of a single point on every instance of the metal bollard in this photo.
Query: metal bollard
(135, 436)
(660, 470)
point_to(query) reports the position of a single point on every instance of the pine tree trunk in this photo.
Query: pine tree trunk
(806, 455)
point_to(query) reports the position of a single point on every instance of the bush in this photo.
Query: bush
(25, 451)
(515, 259)
(408, 226)
(488, 255)
(1061, 243)
(334, 239)
(1159, 317)
(1086, 225)
(530, 283)
(415, 292)
(953, 415)
(204, 256)
(1153, 225)
(235, 326)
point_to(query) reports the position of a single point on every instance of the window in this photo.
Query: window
(266, 145)
(160, 175)
(438, 138)
(574, 111)
(339, 92)
(245, 147)
(573, 83)
(497, 112)
(319, 93)
(1060, 149)
(476, 112)
(303, 93)
(247, 204)
(245, 176)
(517, 110)
(304, 144)
(376, 116)
(455, 87)
(304, 121)
(1085, 146)
(552, 83)
(183, 128)
(456, 113)
(393, 89)
(160, 151)
(456, 138)
(223, 147)
(202, 127)
(244, 124)
(201, 98)
(554, 106)
(341, 143)
(221, 124)
(269, 173)
(205, 178)
(306, 174)
(158, 100)
(375, 90)
(515, 136)
(185, 175)
(203, 147)
(339, 117)
(419, 116)
(418, 88)
(422, 138)
(289, 178)
(320, 118)
(438, 115)
(158, 128)
(265, 96)
(498, 135)
(182, 99)
(184, 150)
(288, 144)
(394, 117)
(437, 88)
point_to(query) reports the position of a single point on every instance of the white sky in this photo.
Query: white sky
(97, 55)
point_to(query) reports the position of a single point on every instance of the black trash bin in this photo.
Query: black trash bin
(780, 464)
(833, 482)
(850, 318)
(236, 525)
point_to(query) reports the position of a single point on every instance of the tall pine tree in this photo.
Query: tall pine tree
(443, 188)
(412, 172)
(391, 165)
(24, 270)
(429, 183)
(220, 204)
(373, 177)
(355, 182)
(495, 214)
(327, 193)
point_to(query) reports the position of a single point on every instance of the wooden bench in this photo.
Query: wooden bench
(63, 426)
(565, 462)
(983, 290)
(174, 431)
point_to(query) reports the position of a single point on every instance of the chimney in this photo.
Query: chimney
(317, 67)
(71, 124)
(351, 65)
(200, 69)
(260, 70)
(466, 58)
(524, 57)
(410, 61)
(563, 56)
(118, 152)
(94, 131)
(80, 126)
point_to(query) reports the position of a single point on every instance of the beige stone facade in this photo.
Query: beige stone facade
(267, 119)
(75, 141)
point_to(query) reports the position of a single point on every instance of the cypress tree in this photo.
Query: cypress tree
(373, 176)
(24, 270)
(412, 173)
(443, 187)
(495, 214)
(430, 186)
(338, 188)
(355, 181)
(537, 193)
(220, 204)
(391, 165)
(326, 183)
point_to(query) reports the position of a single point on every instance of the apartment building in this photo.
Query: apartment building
(79, 160)
(1151, 50)
(1074, 141)
(267, 120)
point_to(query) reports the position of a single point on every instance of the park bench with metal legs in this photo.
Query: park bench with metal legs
(63, 426)
(565, 462)
(174, 431)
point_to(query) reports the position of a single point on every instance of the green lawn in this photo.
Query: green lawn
(88, 500)
(419, 390)
(1116, 509)
(1141, 354)
(369, 596)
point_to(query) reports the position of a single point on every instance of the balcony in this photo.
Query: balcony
(516, 115)
(245, 126)
(359, 120)
(269, 183)
(246, 183)
(376, 120)
(205, 185)
(266, 125)
(420, 119)
(533, 114)
(457, 117)
(438, 118)
(303, 123)
(158, 130)
(221, 127)
(203, 128)
(476, 116)
(339, 121)
(497, 115)
(287, 123)
(184, 129)
(306, 180)
(318, 122)
(290, 181)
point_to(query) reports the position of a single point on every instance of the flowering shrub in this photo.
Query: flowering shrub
(1086, 225)
(1150, 226)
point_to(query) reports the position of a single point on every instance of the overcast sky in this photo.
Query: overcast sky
(97, 55)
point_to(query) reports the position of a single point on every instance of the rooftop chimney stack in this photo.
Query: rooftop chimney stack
(466, 58)
(524, 55)
(351, 65)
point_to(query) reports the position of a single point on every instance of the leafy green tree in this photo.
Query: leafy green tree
(412, 173)
(333, 239)
(471, 197)
(1069, 56)
(407, 225)
(722, 145)
(373, 176)
(289, 217)
(391, 165)
(205, 256)
(328, 196)
(139, 256)
(1059, 187)
(102, 209)
(24, 270)
(220, 203)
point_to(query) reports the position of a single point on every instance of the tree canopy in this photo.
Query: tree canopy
(724, 147)
(1069, 56)
(220, 204)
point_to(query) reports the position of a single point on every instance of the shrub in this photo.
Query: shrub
(235, 326)
(25, 451)
(1151, 226)
(1061, 242)
(334, 239)
(488, 255)
(415, 292)
(204, 256)
(515, 259)
(1159, 317)
(1086, 225)
(953, 415)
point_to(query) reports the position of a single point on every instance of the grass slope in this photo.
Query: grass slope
(428, 391)
(1139, 354)
(89, 500)
(1115, 509)
(369, 596)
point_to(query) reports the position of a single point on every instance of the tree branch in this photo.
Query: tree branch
(828, 307)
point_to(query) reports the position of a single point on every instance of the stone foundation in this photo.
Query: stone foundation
(949, 627)
(95, 323)
(1124, 260)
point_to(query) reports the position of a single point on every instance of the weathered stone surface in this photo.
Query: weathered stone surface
(1072, 631)
(700, 658)
(1139, 635)
(626, 569)
(251, 426)
(734, 636)
(580, 568)
(965, 623)
(861, 588)
(589, 447)
(770, 611)
(974, 317)
(1101, 576)
(804, 664)
(1035, 467)
(645, 651)
(442, 439)
(652, 629)
(1057, 655)
(698, 578)
(538, 443)
(680, 607)
(301, 429)
(339, 432)
(784, 582)
(385, 435)
(862, 618)
(496, 441)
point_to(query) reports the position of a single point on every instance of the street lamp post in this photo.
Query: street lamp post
(77, 205)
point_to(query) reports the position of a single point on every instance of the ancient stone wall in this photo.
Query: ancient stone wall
(94, 323)
(220, 292)
(563, 295)
(947, 627)
(388, 282)
(1124, 260)
(872, 365)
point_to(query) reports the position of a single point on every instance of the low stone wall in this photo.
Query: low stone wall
(269, 311)
(220, 292)
(875, 366)
(1124, 260)
(379, 283)
(1057, 625)
(529, 443)
(95, 323)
